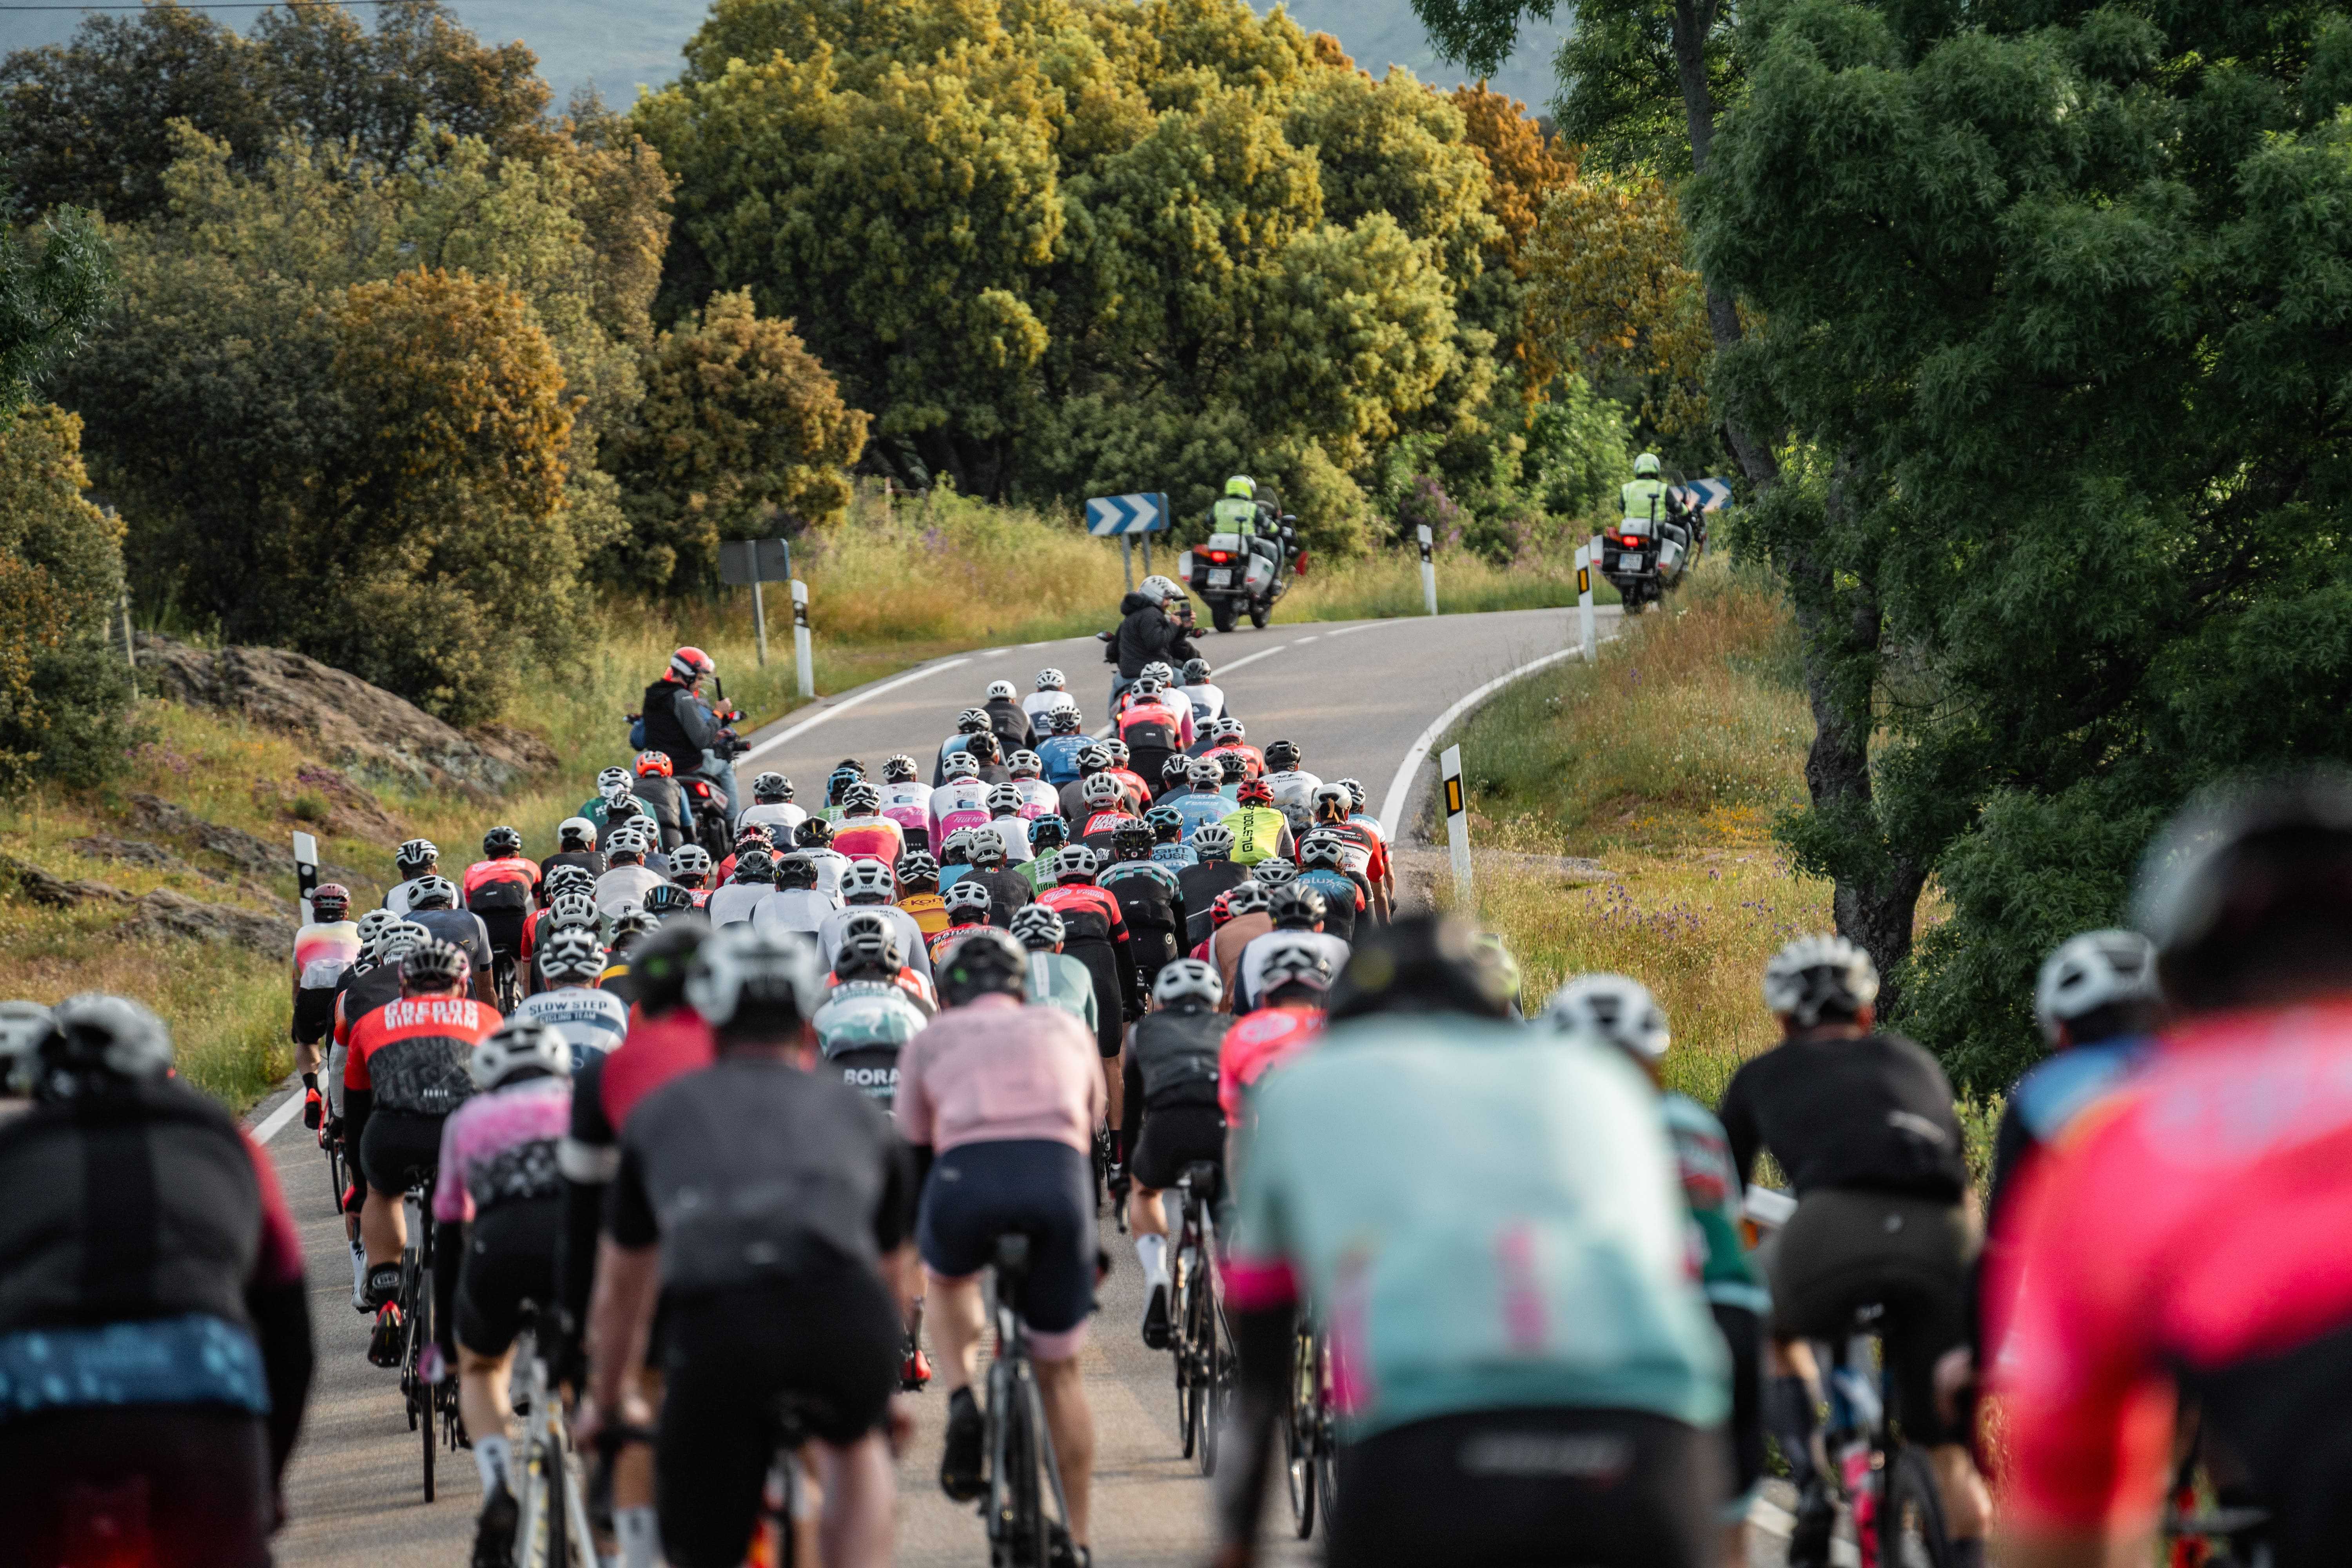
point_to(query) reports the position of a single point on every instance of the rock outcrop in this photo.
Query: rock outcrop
(369, 733)
(161, 914)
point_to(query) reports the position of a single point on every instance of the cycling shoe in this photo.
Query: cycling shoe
(385, 1342)
(961, 1466)
(1155, 1318)
(494, 1532)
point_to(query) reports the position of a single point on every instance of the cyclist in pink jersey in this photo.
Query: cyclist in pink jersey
(863, 833)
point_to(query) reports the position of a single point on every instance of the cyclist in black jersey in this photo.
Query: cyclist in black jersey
(1200, 885)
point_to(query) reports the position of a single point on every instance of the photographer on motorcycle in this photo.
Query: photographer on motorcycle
(681, 723)
(1154, 631)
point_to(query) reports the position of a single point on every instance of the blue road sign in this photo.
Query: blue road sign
(1109, 515)
(1704, 495)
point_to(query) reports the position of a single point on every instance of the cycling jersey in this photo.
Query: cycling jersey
(1256, 1043)
(911, 935)
(1176, 856)
(1207, 702)
(1293, 787)
(1060, 755)
(1345, 900)
(1168, 1074)
(504, 868)
(323, 952)
(960, 804)
(1039, 872)
(1478, 1220)
(1201, 885)
(1249, 969)
(917, 988)
(1160, 727)
(1260, 832)
(931, 912)
(1014, 831)
(1011, 723)
(736, 900)
(1362, 852)
(2046, 1100)
(591, 1021)
(1095, 935)
(625, 885)
(500, 1149)
(1039, 706)
(362, 992)
(1873, 1114)
(909, 805)
(412, 1053)
(1057, 980)
(870, 838)
(950, 936)
(995, 1070)
(1225, 950)
(1139, 792)
(1249, 755)
(779, 816)
(1009, 891)
(953, 873)
(461, 929)
(1199, 808)
(860, 1030)
(2192, 1230)
(1095, 831)
(600, 812)
(789, 908)
(1710, 1185)
(589, 860)
(830, 864)
(1149, 895)
(1038, 799)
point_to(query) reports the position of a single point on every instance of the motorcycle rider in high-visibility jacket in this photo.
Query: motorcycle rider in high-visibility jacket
(1648, 508)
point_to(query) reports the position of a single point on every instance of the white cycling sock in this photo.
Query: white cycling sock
(1151, 1251)
(640, 1537)
(359, 1269)
(494, 1457)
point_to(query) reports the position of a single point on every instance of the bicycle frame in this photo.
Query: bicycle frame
(1016, 1538)
(553, 1532)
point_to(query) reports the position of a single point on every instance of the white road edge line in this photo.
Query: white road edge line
(1224, 669)
(852, 700)
(1400, 787)
(1349, 631)
(275, 1122)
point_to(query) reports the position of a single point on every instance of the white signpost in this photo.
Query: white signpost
(1457, 823)
(1428, 569)
(306, 871)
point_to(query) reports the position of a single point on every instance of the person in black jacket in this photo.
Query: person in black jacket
(681, 724)
(1149, 633)
(155, 1330)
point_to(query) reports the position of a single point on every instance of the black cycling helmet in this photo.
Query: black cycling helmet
(500, 841)
(1065, 721)
(1131, 840)
(771, 787)
(1422, 963)
(986, 963)
(1233, 766)
(434, 966)
(757, 866)
(1197, 672)
(1295, 907)
(659, 962)
(1048, 832)
(667, 900)
(1282, 756)
(982, 748)
(2247, 894)
(1167, 823)
(797, 871)
(813, 834)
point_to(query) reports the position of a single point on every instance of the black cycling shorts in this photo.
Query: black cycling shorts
(509, 1259)
(833, 1340)
(1844, 1250)
(1042, 1189)
(1531, 1488)
(166, 1486)
(314, 1014)
(1172, 1137)
(400, 1149)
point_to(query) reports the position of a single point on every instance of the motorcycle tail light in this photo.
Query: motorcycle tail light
(1219, 556)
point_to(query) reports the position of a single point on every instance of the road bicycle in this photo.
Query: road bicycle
(785, 1497)
(1309, 1433)
(552, 1529)
(432, 1405)
(2218, 1536)
(1888, 1485)
(1199, 1340)
(1026, 1514)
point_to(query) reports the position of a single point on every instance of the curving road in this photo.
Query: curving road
(1356, 696)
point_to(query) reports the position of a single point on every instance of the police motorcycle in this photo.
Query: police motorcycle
(1248, 560)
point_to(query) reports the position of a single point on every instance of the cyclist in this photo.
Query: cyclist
(1168, 845)
(499, 1208)
(405, 1072)
(867, 887)
(955, 859)
(503, 887)
(324, 950)
(962, 801)
(1203, 884)
(907, 800)
(970, 722)
(1863, 1123)
(1260, 832)
(1056, 979)
(1364, 852)
(1095, 933)
(1207, 700)
(1139, 792)
(1008, 716)
(1155, 725)
(1038, 798)
(1072, 795)
(863, 833)
(1372, 826)
(765, 1211)
(1291, 783)
(1249, 909)
(155, 1329)
(667, 1038)
(1174, 778)
(565, 880)
(1149, 897)
(2187, 1240)
(613, 786)
(772, 805)
(367, 987)
(1048, 836)
(1297, 915)
(681, 723)
(1347, 897)
(838, 783)
(755, 836)
(918, 894)
(575, 845)
(1109, 809)
(1007, 805)
(589, 1019)
(416, 859)
(1485, 1227)
(628, 878)
(663, 798)
(1296, 992)
(1008, 889)
(1053, 692)
(432, 904)
(1059, 749)
(813, 839)
(868, 1015)
(1169, 1084)
(1612, 1010)
(689, 868)
(969, 906)
(1229, 737)
(755, 879)
(1000, 1101)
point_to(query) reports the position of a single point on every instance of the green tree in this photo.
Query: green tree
(742, 435)
(2053, 303)
(62, 690)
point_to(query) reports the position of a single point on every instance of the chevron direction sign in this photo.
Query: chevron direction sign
(1109, 515)
(1704, 495)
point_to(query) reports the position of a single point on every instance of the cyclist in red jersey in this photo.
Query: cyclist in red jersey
(1297, 990)
(2190, 1236)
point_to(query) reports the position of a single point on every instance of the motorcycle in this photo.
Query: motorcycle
(1233, 577)
(704, 802)
(1644, 565)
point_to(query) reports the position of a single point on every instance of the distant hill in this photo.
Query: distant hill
(619, 45)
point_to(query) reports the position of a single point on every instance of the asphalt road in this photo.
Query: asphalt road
(1356, 696)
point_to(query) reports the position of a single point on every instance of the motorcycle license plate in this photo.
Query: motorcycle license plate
(1221, 577)
(1629, 562)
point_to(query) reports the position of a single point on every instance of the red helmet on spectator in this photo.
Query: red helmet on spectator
(650, 764)
(689, 665)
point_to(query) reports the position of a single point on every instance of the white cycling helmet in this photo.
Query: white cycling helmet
(1611, 1009)
(1145, 686)
(1272, 872)
(1024, 764)
(2096, 969)
(971, 722)
(1159, 589)
(1050, 680)
(690, 860)
(372, 925)
(1006, 801)
(987, 847)
(1002, 691)
(575, 833)
(1228, 730)
(1076, 862)
(1248, 899)
(572, 950)
(396, 940)
(961, 765)
(739, 962)
(1039, 928)
(967, 897)
(613, 782)
(94, 1034)
(1818, 976)
(433, 893)
(1290, 962)
(1160, 670)
(955, 849)
(868, 882)
(1187, 977)
(1213, 840)
(417, 853)
(572, 910)
(1101, 789)
(518, 1045)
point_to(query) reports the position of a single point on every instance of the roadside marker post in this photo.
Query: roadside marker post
(804, 661)
(306, 871)
(1457, 822)
(1428, 569)
(1584, 564)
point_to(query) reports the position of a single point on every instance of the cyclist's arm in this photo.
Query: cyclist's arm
(278, 1300)
(628, 1282)
(1739, 1128)
(589, 1158)
(359, 1099)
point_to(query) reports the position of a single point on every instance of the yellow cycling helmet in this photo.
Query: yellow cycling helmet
(1243, 486)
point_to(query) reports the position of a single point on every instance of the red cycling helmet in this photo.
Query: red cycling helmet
(1222, 909)
(689, 665)
(650, 764)
(1254, 792)
(330, 901)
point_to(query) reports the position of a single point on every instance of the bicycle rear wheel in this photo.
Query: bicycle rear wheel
(1201, 1361)
(1180, 1345)
(1911, 1514)
(420, 1334)
(1016, 1498)
(1218, 1362)
(1327, 1441)
(1298, 1435)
